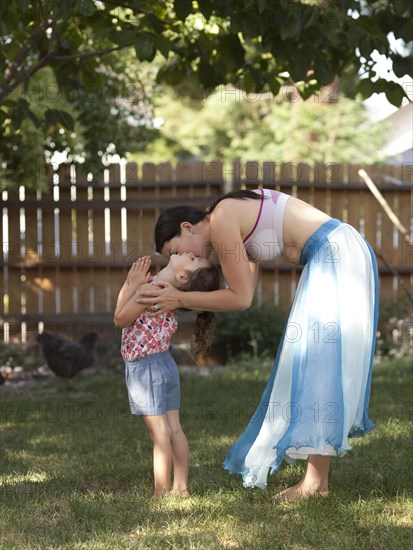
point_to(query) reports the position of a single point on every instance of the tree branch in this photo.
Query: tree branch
(7, 90)
(86, 54)
(49, 58)
(24, 50)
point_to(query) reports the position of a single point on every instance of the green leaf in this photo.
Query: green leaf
(274, 86)
(23, 103)
(22, 5)
(145, 46)
(258, 78)
(323, 72)
(206, 8)
(298, 70)
(232, 51)
(3, 117)
(33, 118)
(309, 16)
(402, 66)
(249, 83)
(66, 120)
(183, 8)
(207, 75)
(54, 116)
(123, 37)
(262, 5)
(17, 118)
(9, 103)
(172, 74)
(395, 93)
(366, 88)
(163, 45)
(401, 7)
(85, 7)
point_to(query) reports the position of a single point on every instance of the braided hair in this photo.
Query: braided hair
(204, 279)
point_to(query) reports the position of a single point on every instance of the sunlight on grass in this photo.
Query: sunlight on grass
(32, 476)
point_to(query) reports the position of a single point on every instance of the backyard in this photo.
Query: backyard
(76, 469)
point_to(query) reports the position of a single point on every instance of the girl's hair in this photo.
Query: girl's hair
(204, 279)
(169, 222)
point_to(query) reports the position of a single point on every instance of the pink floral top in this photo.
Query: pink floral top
(148, 335)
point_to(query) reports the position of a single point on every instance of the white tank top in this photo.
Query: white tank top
(265, 241)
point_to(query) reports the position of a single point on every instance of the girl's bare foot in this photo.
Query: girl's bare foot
(180, 493)
(158, 495)
(302, 491)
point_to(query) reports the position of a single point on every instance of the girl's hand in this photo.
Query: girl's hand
(139, 272)
(162, 297)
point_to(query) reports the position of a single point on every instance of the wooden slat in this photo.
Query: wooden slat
(66, 218)
(303, 175)
(269, 174)
(354, 199)
(5, 273)
(149, 216)
(149, 191)
(116, 251)
(321, 195)
(370, 211)
(236, 175)
(387, 246)
(285, 290)
(134, 217)
(252, 178)
(338, 199)
(31, 256)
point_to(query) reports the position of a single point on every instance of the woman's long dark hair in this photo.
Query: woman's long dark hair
(204, 279)
(169, 222)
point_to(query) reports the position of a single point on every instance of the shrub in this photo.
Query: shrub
(256, 330)
(395, 328)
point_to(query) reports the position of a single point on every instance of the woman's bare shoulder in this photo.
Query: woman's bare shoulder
(225, 208)
(234, 218)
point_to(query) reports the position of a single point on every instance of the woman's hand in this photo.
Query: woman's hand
(162, 297)
(139, 272)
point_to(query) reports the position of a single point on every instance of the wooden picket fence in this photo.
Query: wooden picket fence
(67, 249)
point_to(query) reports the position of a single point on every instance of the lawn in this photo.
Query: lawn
(76, 471)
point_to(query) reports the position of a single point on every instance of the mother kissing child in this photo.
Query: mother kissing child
(338, 288)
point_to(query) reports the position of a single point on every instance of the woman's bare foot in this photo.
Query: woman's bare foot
(302, 491)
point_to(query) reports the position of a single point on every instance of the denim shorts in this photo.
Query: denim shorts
(153, 384)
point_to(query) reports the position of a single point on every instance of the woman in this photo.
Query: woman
(318, 392)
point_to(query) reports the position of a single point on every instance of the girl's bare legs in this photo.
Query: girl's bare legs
(160, 433)
(180, 452)
(314, 482)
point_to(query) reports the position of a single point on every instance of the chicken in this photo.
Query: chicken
(66, 358)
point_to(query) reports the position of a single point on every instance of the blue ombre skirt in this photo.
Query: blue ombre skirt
(318, 392)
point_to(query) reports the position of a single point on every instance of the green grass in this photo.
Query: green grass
(76, 471)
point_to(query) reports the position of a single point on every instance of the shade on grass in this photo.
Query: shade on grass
(76, 471)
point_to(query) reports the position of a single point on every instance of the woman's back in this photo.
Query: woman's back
(266, 237)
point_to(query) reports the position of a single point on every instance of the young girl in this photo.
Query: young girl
(152, 377)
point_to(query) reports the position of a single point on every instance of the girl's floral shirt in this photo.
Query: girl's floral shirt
(148, 335)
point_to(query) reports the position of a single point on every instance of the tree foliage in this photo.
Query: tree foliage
(229, 123)
(84, 48)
